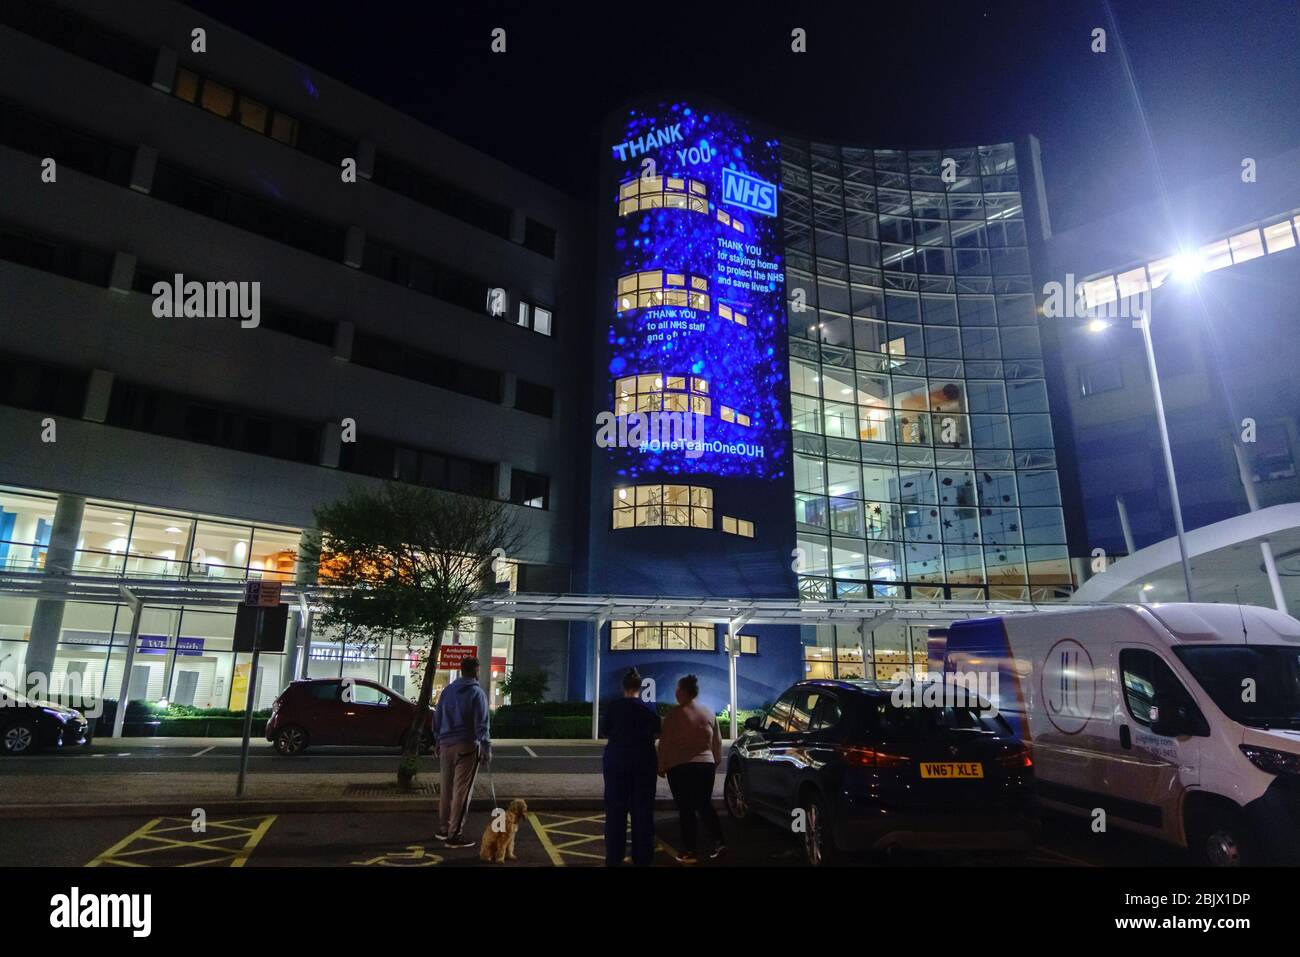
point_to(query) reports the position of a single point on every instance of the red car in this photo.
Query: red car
(351, 711)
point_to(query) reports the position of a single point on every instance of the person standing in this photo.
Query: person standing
(690, 750)
(463, 744)
(629, 726)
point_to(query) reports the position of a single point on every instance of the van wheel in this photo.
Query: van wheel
(733, 794)
(818, 841)
(1222, 838)
(19, 738)
(290, 741)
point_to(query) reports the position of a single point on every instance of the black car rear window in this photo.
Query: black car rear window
(903, 723)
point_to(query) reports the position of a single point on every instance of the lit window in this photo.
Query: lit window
(1132, 282)
(676, 505)
(748, 644)
(1246, 246)
(285, 129)
(253, 114)
(655, 392)
(737, 526)
(187, 85)
(659, 192)
(217, 99)
(1215, 255)
(646, 290)
(1279, 237)
(662, 635)
(1099, 291)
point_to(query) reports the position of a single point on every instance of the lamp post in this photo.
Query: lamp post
(1144, 323)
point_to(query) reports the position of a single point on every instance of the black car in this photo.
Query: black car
(861, 772)
(27, 726)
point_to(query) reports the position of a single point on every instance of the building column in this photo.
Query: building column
(302, 577)
(47, 619)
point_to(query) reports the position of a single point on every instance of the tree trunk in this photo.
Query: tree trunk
(409, 766)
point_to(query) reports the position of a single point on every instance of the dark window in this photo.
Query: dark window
(428, 189)
(530, 489)
(82, 38)
(56, 256)
(325, 691)
(422, 275)
(1098, 377)
(827, 715)
(41, 137)
(145, 409)
(1273, 458)
(539, 237)
(388, 460)
(42, 387)
(534, 398)
(1147, 678)
(263, 217)
(276, 318)
(400, 359)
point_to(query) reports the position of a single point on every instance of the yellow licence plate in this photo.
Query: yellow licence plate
(971, 769)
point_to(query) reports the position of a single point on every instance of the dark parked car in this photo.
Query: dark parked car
(322, 711)
(872, 776)
(28, 726)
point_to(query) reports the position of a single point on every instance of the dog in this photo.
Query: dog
(499, 838)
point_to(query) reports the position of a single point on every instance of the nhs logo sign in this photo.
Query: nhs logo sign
(748, 192)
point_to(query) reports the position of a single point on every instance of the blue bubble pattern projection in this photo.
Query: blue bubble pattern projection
(698, 323)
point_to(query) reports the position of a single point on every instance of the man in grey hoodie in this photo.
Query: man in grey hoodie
(462, 745)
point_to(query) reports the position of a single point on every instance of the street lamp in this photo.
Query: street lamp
(1144, 322)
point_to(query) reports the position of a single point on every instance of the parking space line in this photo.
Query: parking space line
(199, 754)
(530, 751)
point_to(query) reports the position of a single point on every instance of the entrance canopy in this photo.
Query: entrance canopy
(1227, 563)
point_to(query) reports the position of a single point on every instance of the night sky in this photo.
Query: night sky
(1217, 81)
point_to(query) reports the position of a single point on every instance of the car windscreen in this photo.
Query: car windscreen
(1257, 685)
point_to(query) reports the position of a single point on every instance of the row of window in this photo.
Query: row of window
(129, 57)
(672, 635)
(181, 187)
(376, 352)
(1229, 251)
(389, 172)
(655, 392)
(656, 287)
(44, 387)
(866, 165)
(912, 485)
(689, 506)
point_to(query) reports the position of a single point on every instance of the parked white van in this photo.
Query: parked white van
(1179, 721)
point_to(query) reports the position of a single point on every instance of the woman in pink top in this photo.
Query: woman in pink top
(690, 748)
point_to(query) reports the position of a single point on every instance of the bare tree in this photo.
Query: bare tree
(406, 562)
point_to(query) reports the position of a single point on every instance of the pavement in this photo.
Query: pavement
(172, 776)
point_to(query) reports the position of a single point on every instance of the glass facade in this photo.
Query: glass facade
(185, 653)
(924, 465)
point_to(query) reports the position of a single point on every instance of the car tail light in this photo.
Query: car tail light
(1020, 758)
(871, 758)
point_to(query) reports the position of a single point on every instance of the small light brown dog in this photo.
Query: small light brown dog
(499, 836)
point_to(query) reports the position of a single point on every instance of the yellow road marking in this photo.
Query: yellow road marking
(558, 850)
(154, 838)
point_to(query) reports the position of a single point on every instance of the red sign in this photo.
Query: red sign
(450, 656)
(498, 665)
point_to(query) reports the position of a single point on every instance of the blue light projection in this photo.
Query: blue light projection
(678, 225)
